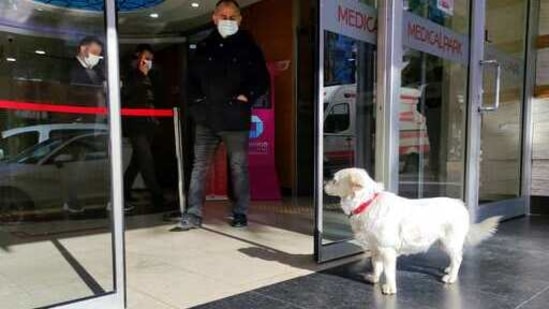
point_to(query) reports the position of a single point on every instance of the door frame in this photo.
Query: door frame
(389, 33)
(117, 298)
(389, 51)
(514, 207)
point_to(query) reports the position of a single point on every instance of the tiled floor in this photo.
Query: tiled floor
(182, 270)
(267, 265)
(38, 270)
(42, 263)
(509, 271)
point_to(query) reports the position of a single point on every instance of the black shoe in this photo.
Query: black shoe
(188, 222)
(239, 220)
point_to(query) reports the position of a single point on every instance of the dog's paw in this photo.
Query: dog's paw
(447, 270)
(449, 279)
(371, 278)
(388, 290)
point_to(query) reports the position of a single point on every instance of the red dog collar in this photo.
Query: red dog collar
(362, 207)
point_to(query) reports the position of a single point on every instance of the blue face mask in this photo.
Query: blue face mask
(227, 27)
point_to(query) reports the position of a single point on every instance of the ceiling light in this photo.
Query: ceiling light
(39, 52)
(195, 4)
(154, 15)
(11, 59)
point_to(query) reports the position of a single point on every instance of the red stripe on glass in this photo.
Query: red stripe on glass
(72, 109)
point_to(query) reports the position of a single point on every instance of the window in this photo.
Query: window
(88, 148)
(69, 133)
(15, 144)
(338, 119)
(37, 152)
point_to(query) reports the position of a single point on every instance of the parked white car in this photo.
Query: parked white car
(36, 178)
(15, 140)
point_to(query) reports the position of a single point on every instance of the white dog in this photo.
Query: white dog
(389, 225)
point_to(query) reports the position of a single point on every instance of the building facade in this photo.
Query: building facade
(431, 97)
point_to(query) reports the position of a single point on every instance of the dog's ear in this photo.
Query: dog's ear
(356, 182)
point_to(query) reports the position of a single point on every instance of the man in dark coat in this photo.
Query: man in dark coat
(87, 80)
(227, 74)
(86, 88)
(85, 69)
(140, 91)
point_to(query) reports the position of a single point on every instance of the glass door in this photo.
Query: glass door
(498, 132)
(432, 103)
(61, 229)
(346, 113)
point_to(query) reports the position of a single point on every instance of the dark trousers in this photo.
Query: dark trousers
(206, 143)
(142, 161)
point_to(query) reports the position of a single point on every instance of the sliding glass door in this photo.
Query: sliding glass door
(61, 229)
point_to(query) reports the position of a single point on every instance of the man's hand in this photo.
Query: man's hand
(242, 98)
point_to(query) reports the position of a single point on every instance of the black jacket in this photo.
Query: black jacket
(139, 91)
(86, 89)
(83, 76)
(220, 70)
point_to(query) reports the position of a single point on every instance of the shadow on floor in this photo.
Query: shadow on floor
(260, 251)
(510, 270)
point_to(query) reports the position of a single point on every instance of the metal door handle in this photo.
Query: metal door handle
(497, 66)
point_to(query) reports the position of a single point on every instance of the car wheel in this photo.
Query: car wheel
(14, 206)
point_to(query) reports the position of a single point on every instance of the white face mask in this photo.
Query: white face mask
(227, 27)
(149, 64)
(92, 60)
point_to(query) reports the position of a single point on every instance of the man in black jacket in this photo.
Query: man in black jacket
(85, 68)
(86, 88)
(141, 91)
(227, 74)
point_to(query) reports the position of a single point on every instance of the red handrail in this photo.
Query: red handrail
(74, 109)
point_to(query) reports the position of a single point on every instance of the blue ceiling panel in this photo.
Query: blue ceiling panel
(98, 5)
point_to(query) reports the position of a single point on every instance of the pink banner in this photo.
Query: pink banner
(263, 177)
(264, 184)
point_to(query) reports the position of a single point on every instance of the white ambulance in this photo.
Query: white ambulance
(340, 127)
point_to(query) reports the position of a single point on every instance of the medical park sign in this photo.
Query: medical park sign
(426, 36)
(350, 18)
(356, 20)
(359, 21)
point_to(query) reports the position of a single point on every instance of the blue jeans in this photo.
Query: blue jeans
(206, 143)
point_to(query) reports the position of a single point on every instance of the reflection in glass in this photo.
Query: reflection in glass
(500, 165)
(55, 227)
(349, 121)
(432, 111)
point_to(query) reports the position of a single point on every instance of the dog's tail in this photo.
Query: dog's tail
(481, 231)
